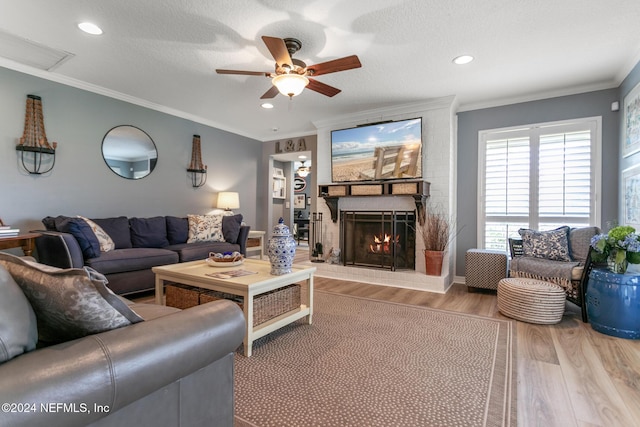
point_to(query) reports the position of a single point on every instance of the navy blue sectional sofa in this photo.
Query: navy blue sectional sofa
(140, 244)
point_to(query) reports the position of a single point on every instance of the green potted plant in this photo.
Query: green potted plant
(620, 247)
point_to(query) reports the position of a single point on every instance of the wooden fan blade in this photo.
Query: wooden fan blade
(244, 73)
(342, 64)
(271, 93)
(322, 88)
(278, 50)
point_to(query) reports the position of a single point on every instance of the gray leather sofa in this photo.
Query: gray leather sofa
(173, 370)
(140, 244)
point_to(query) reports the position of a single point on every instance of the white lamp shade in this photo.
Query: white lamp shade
(228, 200)
(290, 84)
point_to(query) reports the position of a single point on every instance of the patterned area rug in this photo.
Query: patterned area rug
(370, 363)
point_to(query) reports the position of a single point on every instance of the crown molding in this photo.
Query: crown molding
(89, 87)
(537, 96)
(624, 72)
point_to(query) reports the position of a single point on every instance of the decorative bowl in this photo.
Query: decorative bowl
(227, 259)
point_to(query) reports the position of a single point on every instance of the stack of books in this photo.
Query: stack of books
(8, 231)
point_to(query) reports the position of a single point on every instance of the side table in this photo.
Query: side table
(255, 243)
(613, 303)
(484, 268)
(25, 241)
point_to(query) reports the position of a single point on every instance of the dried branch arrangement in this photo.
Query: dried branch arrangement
(435, 229)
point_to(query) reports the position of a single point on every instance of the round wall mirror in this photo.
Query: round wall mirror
(129, 152)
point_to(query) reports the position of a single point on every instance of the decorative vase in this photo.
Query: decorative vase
(433, 262)
(617, 261)
(281, 249)
(613, 303)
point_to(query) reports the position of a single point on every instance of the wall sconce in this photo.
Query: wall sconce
(228, 200)
(196, 169)
(33, 147)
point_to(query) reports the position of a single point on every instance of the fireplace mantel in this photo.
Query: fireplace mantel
(418, 189)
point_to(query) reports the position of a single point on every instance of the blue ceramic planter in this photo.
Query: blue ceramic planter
(613, 303)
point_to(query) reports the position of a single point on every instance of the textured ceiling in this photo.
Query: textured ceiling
(163, 53)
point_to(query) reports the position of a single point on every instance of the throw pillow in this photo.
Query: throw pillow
(149, 232)
(59, 221)
(205, 228)
(18, 331)
(69, 303)
(552, 245)
(106, 244)
(579, 242)
(89, 244)
(177, 230)
(231, 227)
(50, 222)
(118, 229)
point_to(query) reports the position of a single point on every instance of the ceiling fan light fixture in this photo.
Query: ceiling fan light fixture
(303, 170)
(290, 84)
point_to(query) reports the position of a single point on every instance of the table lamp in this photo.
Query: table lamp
(228, 200)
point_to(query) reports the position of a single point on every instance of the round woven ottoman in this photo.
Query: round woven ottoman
(530, 300)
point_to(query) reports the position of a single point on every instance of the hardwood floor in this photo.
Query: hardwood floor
(568, 374)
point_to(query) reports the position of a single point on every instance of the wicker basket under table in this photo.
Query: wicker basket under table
(182, 296)
(265, 306)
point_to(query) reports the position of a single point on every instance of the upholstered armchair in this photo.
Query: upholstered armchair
(567, 268)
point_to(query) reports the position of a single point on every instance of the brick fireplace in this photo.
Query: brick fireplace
(438, 160)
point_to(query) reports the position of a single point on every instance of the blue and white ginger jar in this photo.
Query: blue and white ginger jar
(281, 249)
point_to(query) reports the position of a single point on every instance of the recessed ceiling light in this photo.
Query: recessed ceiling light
(463, 59)
(302, 156)
(90, 28)
(267, 105)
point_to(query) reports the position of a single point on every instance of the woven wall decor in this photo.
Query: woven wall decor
(196, 169)
(36, 154)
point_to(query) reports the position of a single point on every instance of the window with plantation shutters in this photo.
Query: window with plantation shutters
(540, 176)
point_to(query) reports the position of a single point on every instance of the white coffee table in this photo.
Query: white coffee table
(195, 274)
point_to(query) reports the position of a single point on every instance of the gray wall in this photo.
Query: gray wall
(82, 184)
(562, 108)
(627, 85)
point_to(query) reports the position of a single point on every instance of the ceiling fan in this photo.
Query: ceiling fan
(291, 75)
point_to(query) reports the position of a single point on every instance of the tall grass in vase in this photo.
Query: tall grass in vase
(434, 227)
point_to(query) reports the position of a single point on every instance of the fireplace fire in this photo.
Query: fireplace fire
(380, 239)
(383, 245)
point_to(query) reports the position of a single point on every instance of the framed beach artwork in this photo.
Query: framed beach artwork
(632, 122)
(631, 188)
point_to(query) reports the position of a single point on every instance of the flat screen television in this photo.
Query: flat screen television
(380, 151)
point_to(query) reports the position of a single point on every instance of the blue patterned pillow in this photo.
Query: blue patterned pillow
(552, 245)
